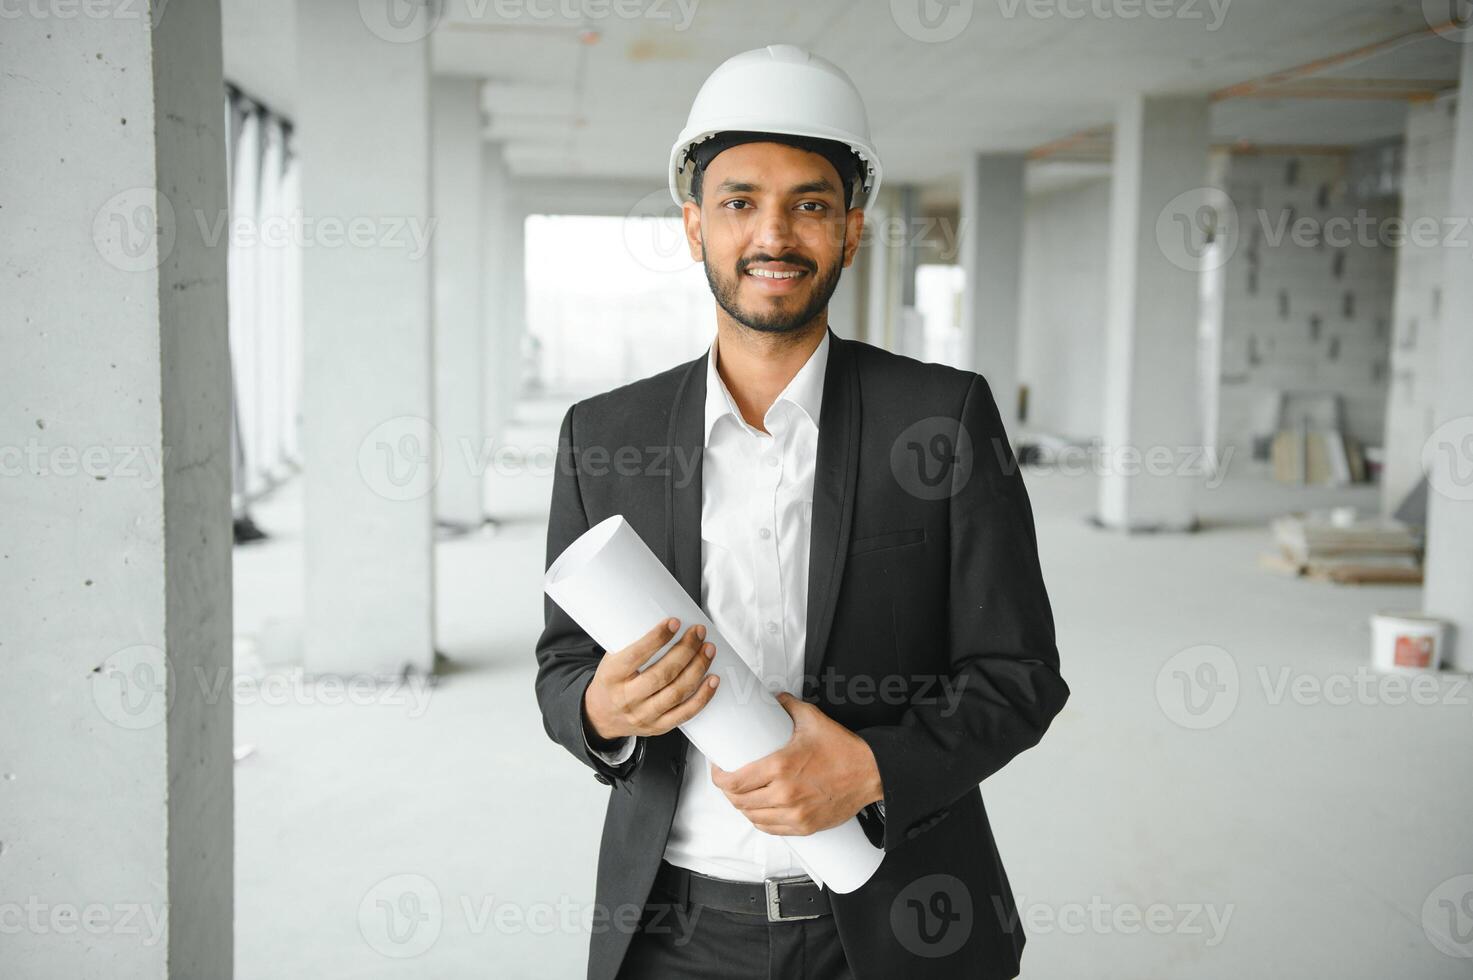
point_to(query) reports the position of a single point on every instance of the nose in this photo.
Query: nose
(774, 233)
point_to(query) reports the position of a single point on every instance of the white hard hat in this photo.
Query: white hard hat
(779, 89)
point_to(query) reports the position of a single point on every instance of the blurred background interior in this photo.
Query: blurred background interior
(1213, 256)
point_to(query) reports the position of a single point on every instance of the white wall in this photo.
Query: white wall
(1285, 320)
(1061, 348)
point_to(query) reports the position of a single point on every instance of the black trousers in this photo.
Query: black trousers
(680, 941)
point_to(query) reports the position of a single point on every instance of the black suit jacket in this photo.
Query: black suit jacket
(930, 635)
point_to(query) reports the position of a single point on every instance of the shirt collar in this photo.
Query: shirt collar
(804, 390)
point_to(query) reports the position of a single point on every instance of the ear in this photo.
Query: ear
(853, 228)
(690, 216)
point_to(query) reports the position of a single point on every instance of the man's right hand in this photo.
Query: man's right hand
(621, 700)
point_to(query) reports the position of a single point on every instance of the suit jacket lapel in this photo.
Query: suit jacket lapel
(834, 479)
(686, 440)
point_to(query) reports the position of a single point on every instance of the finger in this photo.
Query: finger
(754, 775)
(781, 821)
(768, 797)
(791, 821)
(684, 684)
(689, 708)
(798, 709)
(656, 676)
(631, 658)
(670, 667)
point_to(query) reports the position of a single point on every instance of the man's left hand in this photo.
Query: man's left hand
(821, 778)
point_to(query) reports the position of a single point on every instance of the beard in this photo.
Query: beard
(776, 318)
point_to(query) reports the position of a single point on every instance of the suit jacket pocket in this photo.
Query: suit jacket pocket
(890, 539)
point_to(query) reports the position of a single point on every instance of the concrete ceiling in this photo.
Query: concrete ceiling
(260, 48)
(603, 94)
(1358, 100)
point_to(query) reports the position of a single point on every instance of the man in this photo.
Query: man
(854, 523)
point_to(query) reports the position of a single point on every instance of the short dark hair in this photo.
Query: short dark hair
(845, 161)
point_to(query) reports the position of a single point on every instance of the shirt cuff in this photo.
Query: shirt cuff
(617, 757)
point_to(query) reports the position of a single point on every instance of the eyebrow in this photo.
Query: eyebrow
(819, 186)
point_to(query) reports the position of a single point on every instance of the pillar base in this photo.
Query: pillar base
(1191, 527)
(447, 530)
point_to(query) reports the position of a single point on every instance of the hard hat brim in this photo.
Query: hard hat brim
(866, 188)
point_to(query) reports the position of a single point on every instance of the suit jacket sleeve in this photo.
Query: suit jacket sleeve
(566, 655)
(1003, 659)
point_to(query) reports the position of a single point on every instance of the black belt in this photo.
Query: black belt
(777, 899)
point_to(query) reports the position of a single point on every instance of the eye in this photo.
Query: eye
(738, 200)
(817, 206)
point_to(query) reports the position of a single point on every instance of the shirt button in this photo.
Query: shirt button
(765, 533)
(771, 626)
(770, 460)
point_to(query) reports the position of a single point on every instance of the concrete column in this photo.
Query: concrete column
(907, 334)
(458, 276)
(910, 220)
(883, 240)
(1417, 300)
(991, 231)
(115, 490)
(844, 304)
(1151, 418)
(513, 325)
(1448, 455)
(367, 407)
(504, 240)
(848, 309)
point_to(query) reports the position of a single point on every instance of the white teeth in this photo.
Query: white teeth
(771, 274)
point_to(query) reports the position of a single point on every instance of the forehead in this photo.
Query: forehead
(763, 163)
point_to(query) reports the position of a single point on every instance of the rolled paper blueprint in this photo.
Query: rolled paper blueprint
(613, 586)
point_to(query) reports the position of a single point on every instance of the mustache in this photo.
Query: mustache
(790, 259)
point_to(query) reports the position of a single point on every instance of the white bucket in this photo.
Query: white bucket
(1403, 641)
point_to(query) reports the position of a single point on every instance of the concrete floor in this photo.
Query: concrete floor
(437, 832)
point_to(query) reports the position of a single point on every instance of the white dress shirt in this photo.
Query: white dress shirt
(756, 511)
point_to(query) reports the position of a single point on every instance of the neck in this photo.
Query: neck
(756, 366)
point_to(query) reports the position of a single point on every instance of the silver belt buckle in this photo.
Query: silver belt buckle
(774, 907)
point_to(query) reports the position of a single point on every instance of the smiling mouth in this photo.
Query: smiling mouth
(775, 278)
